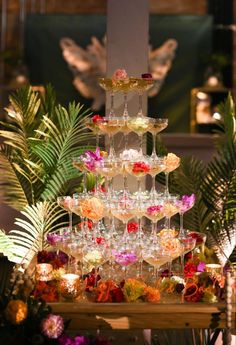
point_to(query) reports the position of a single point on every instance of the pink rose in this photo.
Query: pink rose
(120, 74)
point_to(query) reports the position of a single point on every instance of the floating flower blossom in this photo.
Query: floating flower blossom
(124, 258)
(172, 162)
(140, 168)
(127, 155)
(132, 227)
(155, 210)
(96, 118)
(186, 202)
(90, 157)
(119, 74)
(53, 239)
(52, 326)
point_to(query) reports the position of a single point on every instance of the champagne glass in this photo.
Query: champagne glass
(154, 212)
(142, 85)
(92, 124)
(139, 125)
(65, 202)
(155, 255)
(109, 86)
(110, 126)
(138, 168)
(125, 254)
(172, 162)
(184, 204)
(188, 244)
(109, 168)
(170, 208)
(124, 210)
(157, 165)
(158, 125)
(79, 164)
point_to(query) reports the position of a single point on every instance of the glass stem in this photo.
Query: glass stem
(112, 152)
(126, 140)
(153, 144)
(181, 224)
(153, 186)
(167, 183)
(125, 113)
(109, 189)
(139, 228)
(84, 182)
(140, 101)
(112, 113)
(141, 144)
(139, 189)
(125, 236)
(70, 221)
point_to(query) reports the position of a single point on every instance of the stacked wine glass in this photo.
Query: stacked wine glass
(111, 246)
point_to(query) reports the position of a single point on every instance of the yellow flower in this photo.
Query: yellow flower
(16, 311)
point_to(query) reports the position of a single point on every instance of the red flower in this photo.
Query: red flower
(140, 167)
(146, 76)
(96, 118)
(87, 223)
(199, 238)
(132, 227)
(46, 291)
(189, 269)
(117, 295)
(100, 240)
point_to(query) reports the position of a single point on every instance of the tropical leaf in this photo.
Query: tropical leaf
(7, 246)
(39, 142)
(30, 235)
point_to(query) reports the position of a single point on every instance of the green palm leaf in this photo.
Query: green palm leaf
(187, 179)
(7, 246)
(30, 236)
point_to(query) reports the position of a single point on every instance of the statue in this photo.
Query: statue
(88, 64)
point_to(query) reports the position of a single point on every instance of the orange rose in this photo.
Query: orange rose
(16, 311)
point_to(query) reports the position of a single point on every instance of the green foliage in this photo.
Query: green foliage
(39, 142)
(40, 138)
(214, 184)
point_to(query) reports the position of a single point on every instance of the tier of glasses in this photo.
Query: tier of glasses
(104, 237)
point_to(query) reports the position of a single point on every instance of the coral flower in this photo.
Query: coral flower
(53, 326)
(16, 311)
(119, 74)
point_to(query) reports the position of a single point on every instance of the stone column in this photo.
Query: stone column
(127, 47)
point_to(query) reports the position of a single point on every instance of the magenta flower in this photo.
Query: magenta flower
(201, 266)
(186, 202)
(90, 157)
(53, 239)
(154, 210)
(77, 340)
(52, 326)
(124, 258)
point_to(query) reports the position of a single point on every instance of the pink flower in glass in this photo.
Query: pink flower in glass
(186, 202)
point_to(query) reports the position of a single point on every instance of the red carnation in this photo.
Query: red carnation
(140, 167)
(100, 240)
(190, 269)
(96, 118)
(117, 295)
(132, 227)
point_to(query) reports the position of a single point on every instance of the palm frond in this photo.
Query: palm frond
(14, 185)
(187, 179)
(36, 222)
(7, 246)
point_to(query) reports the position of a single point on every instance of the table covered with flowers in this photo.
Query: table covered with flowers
(106, 271)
